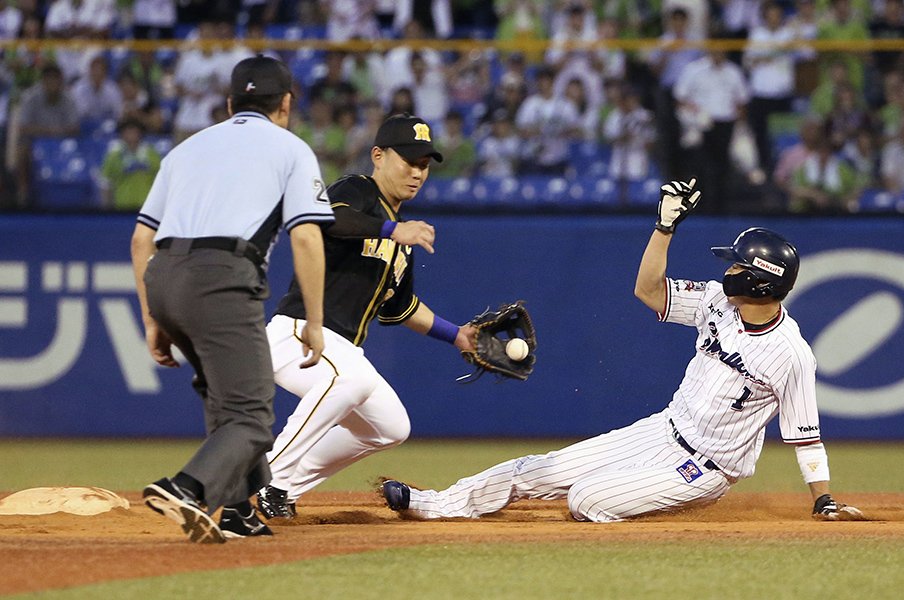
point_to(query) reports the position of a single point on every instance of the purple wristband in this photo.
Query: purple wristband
(387, 229)
(443, 330)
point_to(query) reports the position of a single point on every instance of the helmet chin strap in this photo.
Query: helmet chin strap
(747, 284)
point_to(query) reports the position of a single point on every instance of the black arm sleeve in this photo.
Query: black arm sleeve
(355, 200)
(351, 223)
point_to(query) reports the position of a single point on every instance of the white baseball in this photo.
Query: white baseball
(517, 349)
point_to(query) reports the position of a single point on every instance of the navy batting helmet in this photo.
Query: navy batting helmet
(769, 257)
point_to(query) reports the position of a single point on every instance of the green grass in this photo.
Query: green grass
(625, 570)
(796, 570)
(131, 464)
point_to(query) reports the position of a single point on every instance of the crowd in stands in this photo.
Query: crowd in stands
(770, 124)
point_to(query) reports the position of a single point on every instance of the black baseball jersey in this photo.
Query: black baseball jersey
(366, 276)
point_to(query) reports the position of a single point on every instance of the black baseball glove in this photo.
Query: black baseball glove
(494, 331)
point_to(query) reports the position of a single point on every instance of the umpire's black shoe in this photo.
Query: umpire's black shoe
(396, 494)
(171, 501)
(275, 504)
(236, 525)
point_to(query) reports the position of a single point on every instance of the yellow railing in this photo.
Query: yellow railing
(452, 45)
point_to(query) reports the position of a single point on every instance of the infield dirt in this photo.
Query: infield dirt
(134, 543)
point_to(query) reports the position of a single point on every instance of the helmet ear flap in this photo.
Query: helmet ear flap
(761, 291)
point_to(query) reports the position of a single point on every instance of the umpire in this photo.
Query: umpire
(199, 252)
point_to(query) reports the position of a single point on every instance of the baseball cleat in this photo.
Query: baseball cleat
(275, 504)
(168, 499)
(235, 525)
(396, 494)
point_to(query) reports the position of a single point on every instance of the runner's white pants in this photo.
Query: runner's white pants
(346, 409)
(624, 473)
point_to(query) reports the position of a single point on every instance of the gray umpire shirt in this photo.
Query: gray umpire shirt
(263, 177)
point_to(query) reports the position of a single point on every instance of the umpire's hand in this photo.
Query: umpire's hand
(415, 233)
(160, 345)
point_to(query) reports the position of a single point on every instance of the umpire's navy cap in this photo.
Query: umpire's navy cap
(260, 76)
(407, 135)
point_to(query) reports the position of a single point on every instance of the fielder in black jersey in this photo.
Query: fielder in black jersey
(346, 409)
(364, 277)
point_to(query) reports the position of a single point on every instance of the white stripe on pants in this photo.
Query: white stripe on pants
(624, 473)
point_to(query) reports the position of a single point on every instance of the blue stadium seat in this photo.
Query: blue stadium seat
(644, 193)
(783, 141)
(532, 190)
(446, 193)
(607, 192)
(495, 192)
(62, 173)
(589, 158)
(306, 66)
(881, 201)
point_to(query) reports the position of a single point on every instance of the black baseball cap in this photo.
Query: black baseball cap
(407, 135)
(260, 76)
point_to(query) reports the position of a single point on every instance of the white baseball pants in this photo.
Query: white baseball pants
(346, 409)
(624, 473)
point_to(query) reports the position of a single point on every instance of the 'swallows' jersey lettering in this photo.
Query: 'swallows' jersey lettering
(712, 347)
(739, 379)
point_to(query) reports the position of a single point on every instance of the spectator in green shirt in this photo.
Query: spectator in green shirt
(129, 168)
(459, 152)
(325, 137)
(845, 24)
(824, 183)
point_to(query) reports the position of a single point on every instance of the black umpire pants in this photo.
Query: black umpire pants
(211, 303)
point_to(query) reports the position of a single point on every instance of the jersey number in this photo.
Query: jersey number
(739, 403)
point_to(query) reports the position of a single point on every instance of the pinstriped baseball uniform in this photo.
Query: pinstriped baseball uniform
(708, 437)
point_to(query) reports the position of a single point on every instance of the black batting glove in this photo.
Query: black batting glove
(676, 200)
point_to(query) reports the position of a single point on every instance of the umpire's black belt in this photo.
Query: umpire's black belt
(690, 450)
(238, 246)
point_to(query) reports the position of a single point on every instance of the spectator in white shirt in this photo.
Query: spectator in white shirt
(153, 19)
(498, 153)
(10, 21)
(713, 90)
(433, 16)
(200, 81)
(739, 17)
(429, 88)
(79, 19)
(771, 68)
(98, 98)
(892, 164)
(629, 128)
(697, 12)
(578, 26)
(349, 19)
(546, 124)
(588, 109)
(397, 62)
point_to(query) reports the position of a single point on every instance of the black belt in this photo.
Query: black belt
(230, 244)
(690, 450)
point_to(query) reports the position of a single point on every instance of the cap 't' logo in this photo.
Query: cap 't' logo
(421, 132)
(250, 87)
